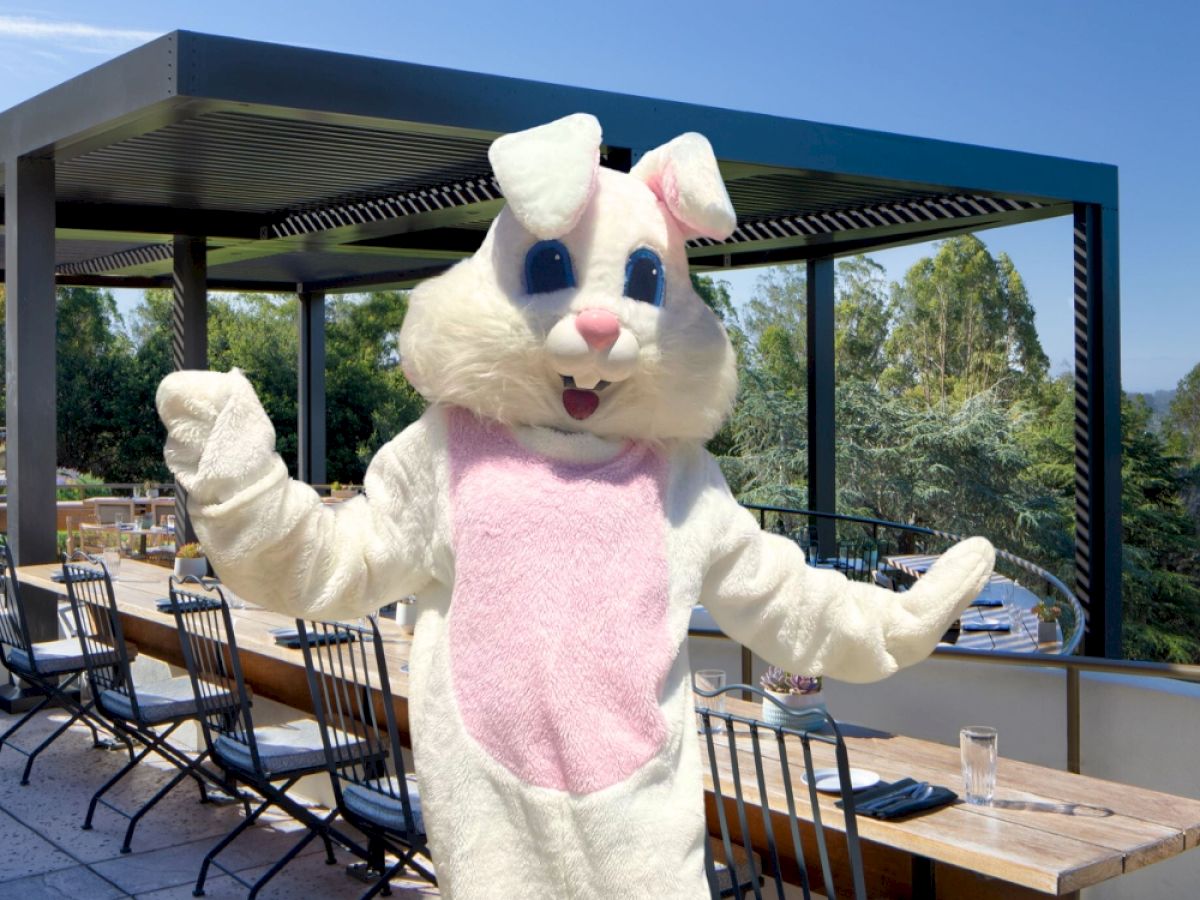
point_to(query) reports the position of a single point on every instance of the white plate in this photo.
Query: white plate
(827, 779)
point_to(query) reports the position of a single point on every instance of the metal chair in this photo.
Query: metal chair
(267, 760)
(735, 745)
(53, 667)
(112, 510)
(348, 678)
(148, 713)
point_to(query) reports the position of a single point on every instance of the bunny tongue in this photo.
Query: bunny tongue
(580, 404)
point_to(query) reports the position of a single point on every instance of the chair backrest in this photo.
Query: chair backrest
(211, 656)
(749, 758)
(161, 507)
(98, 626)
(14, 630)
(352, 698)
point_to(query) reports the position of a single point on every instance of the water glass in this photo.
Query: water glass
(112, 562)
(978, 746)
(710, 680)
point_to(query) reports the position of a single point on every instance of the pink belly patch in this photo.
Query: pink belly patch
(558, 625)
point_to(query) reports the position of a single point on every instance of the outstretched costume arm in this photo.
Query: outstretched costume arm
(271, 539)
(812, 621)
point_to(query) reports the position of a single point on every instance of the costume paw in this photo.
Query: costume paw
(953, 581)
(219, 439)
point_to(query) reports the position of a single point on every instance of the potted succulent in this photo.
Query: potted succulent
(190, 560)
(799, 693)
(1047, 613)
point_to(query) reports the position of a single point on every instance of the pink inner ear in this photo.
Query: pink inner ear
(665, 187)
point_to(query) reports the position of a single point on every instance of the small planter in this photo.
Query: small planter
(344, 493)
(185, 566)
(1047, 632)
(797, 704)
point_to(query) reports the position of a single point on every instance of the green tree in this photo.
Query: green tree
(1181, 425)
(861, 320)
(963, 325)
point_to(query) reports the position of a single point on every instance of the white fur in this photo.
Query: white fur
(547, 173)
(473, 338)
(684, 175)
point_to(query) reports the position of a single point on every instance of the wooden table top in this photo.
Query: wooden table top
(1048, 831)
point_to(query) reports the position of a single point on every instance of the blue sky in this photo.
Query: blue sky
(1107, 81)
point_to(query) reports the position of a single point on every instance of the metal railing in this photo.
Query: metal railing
(866, 542)
(1066, 659)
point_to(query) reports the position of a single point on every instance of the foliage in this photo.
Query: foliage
(190, 551)
(963, 324)
(1182, 422)
(945, 413)
(781, 682)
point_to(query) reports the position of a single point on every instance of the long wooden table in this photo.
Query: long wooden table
(1048, 833)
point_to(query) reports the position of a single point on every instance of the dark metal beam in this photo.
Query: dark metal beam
(111, 100)
(311, 450)
(297, 83)
(1098, 428)
(30, 362)
(189, 335)
(822, 474)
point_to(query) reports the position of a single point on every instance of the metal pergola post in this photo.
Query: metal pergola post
(822, 467)
(189, 335)
(1098, 427)
(310, 451)
(30, 365)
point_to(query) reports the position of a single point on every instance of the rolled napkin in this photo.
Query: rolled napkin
(164, 605)
(865, 801)
(290, 637)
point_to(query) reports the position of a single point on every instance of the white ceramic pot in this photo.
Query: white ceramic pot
(795, 703)
(185, 567)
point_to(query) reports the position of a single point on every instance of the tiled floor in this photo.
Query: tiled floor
(45, 854)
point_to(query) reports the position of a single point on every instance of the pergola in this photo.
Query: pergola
(203, 162)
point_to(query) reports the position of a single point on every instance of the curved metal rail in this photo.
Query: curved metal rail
(1053, 589)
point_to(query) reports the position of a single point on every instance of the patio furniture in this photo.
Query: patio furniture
(1051, 831)
(346, 668)
(160, 508)
(740, 869)
(53, 667)
(112, 510)
(149, 713)
(267, 760)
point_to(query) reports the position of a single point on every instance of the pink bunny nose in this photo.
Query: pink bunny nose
(599, 328)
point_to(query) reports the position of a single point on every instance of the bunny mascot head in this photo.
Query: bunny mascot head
(577, 312)
(557, 516)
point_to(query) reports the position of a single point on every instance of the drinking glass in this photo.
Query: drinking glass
(710, 680)
(112, 561)
(978, 746)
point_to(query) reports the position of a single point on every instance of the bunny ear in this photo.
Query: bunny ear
(683, 174)
(547, 173)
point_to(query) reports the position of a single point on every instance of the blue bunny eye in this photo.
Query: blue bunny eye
(644, 277)
(548, 268)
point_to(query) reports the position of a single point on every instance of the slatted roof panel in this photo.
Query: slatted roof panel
(259, 164)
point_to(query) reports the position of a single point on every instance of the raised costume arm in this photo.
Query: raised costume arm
(271, 539)
(762, 594)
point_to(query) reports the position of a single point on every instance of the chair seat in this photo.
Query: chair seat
(283, 749)
(383, 807)
(57, 657)
(160, 701)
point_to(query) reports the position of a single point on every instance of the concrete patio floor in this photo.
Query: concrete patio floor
(44, 853)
